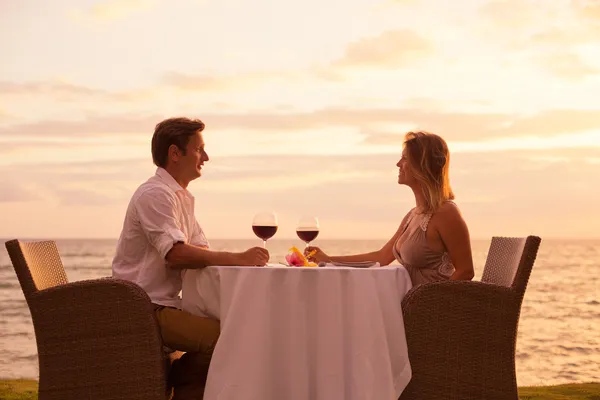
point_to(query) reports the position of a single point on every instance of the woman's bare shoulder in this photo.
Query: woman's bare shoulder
(449, 211)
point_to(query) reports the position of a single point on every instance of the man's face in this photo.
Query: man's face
(195, 156)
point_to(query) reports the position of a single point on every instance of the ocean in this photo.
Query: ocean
(559, 329)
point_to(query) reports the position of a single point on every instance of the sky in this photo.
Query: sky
(306, 104)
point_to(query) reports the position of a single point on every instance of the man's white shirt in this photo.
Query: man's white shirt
(160, 214)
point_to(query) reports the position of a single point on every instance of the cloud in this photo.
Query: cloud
(73, 196)
(563, 38)
(464, 123)
(75, 184)
(16, 192)
(92, 126)
(201, 82)
(390, 49)
(111, 10)
(14, 144)
(569, 66)
(476, 127)
(383, 138)
(246, 173)
(67, 91)
(530, 25)
(511, 14)
(105, 183)
(524, 143)
(219, 83)
(457, 126)
(327, 74)
(216, 83)
(355, 118)
(5, 116)
(554, 122)
(257, 168)
(590, 9)
(41, 87)
(502, 194)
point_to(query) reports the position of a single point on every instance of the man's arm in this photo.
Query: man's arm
(156, 211)
(183, 256)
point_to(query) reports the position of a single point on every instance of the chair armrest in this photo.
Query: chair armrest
(437, 296)
(102, 331)
(98, 307)
(457, 312)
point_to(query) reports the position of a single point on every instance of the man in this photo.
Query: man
(161, 237)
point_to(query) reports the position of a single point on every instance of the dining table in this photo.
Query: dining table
(330, 332)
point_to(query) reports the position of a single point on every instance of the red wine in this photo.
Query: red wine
(264, 232)
(307, 236)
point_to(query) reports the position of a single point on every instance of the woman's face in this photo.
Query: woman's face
(405, 176)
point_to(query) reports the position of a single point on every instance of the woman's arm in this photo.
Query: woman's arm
(384, 255)
(372, 256)
(454, 233)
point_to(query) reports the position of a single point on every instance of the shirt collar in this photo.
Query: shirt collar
(170, 181)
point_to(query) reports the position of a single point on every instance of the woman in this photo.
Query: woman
(432, 241)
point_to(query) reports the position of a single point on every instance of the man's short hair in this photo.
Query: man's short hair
(175, 131)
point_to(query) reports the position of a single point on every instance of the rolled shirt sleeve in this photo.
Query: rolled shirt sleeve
(198, 237)
(157, 212)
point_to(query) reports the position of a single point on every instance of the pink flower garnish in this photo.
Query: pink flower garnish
(294, 260)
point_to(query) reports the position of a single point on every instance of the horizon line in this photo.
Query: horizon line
(296, 238)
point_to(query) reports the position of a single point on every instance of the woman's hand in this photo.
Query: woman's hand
(318, 256)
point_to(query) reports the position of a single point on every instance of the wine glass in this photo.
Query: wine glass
(308, 229)
(264, 226)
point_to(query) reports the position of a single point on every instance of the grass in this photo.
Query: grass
(580, 391)
(18, 389)
(27, 390)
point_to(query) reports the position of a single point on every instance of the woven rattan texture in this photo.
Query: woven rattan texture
(462, 335)
(96, 339)
(503, 261)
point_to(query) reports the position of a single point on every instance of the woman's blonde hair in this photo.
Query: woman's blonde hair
(429, 158)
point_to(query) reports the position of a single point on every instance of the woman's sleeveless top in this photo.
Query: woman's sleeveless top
(423, 264)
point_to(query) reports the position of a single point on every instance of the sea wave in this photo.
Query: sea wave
(19, 335)
(19, 313)
(29, 357)
(90, 268)
(83, 254)
(558, 327)
(578, 349)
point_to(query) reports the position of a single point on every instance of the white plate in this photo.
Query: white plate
(276, 265)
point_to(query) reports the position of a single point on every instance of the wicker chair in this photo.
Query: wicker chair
(462, 335)
(96, 339)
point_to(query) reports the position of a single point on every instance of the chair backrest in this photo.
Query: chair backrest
(510, 260)
(37, 264)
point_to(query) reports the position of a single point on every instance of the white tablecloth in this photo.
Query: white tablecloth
(303, 333)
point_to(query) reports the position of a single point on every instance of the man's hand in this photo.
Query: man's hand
(256, 256)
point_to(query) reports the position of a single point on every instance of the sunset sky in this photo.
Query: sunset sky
(305, 103)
